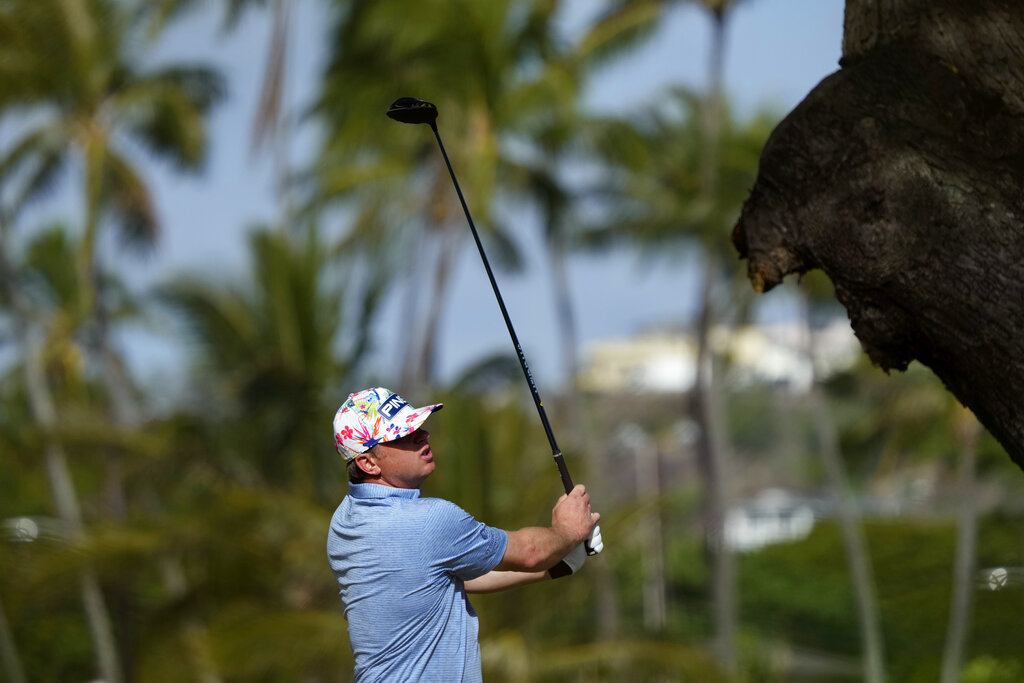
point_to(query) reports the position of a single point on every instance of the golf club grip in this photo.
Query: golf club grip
(563, 472)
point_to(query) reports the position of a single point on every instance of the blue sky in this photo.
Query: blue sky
(778, 51)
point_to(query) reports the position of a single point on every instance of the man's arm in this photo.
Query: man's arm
(496, 580)
(500, 580)
(534, 550)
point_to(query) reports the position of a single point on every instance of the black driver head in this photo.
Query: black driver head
(412, 110)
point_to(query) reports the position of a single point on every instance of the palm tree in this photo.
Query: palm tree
(268, 126)
(483, 65)
(92, 103)
(44, 413)
(268, 353)
(625, 23)
(660, 201)
(538, 178)
(86, 100)
(8, 651)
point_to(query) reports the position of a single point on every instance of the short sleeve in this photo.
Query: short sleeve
(455, 542)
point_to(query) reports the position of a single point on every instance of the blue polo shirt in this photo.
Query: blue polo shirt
(400, 561)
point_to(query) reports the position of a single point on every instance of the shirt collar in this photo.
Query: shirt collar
(380, 491)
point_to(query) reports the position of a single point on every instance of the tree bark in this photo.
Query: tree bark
(900, 177)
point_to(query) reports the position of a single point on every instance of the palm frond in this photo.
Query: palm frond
(623, 27)
(38, 175)
(38, 142)
(501, 247)
(50, 260)
(164, 112)
(218, 320)
(127, 195)
(268, 111)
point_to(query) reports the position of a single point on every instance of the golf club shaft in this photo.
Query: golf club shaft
(556, 453)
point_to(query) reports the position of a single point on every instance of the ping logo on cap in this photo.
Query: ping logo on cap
(389, 408)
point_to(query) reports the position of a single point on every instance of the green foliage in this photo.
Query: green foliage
(269, 356)
(992, 670)
(753, 421)
(206, 523)
(804, 590)
(657, 188)
(91, 99)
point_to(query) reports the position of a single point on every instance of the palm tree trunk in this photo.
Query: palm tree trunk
(713, 458)
(648, 487)
(967, 429)
(93, 150)
(410, 309)
(711, 124)
(566, 319)
(268, 124)
(426, 363)
(9, 652)
(44, 413)
(127, 415)
(711, 448)
(607, 609)
(124, 412)
(197, 650)
(857, 555)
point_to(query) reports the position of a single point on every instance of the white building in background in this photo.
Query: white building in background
(763, 354)
(774, 516)
(654, 362)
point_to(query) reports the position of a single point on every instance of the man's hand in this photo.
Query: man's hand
(534, 549)
(572, 517)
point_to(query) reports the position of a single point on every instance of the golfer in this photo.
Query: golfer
(405, 563)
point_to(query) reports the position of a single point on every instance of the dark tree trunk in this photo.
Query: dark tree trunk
(901, 176)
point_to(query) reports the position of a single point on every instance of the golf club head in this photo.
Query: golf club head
(412, 110)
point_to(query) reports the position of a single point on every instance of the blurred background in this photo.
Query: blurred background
(210, 234)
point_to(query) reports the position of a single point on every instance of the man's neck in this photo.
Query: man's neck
(383, 482)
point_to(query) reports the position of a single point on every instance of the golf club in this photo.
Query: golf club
(413, 110)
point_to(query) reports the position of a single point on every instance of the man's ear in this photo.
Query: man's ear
(368, 463)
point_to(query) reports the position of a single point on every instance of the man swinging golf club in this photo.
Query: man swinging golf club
(405, 563)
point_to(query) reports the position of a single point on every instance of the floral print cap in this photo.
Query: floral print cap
(372, 416)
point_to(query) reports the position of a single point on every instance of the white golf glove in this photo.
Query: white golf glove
(570, 564)
(594, 543)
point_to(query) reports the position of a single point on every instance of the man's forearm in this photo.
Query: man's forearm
(533, 549)
(495, 581)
